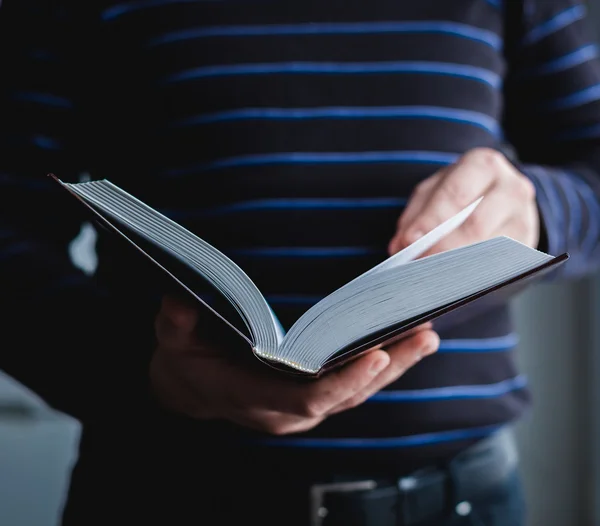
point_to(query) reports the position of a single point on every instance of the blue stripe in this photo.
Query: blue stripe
(477, 345)
(578, 98)
(340, 112)
(386, 156)
(17, 249)
(464, 392)
(558, 22)
(593, 208)
(12, 183)
(310, 204)
(584, 132)
(383, 442)
(495, 3)
(349, 28)
(118, 10)
(7, 233)
(46, 143)
(546, 205)
(428, 68)
(574, 207)
(289, 204)
(579, 56)
(75, 281)
(557, 205)
(43, 98)
(307, 252)
(42, 54)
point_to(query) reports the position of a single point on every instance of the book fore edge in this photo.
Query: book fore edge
(284, 361)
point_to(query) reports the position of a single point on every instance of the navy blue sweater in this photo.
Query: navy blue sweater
(290, 135)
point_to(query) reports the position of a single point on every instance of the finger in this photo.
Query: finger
(413, 208)
(403, 356)
(174, 387)
(318, 398)
(523, 228)
(423, 327)
(496, 208)
(420, 196)
(456, 239)
(401, 337)
(489, 220)
(494, 211)
(464, 183)
(175, 324)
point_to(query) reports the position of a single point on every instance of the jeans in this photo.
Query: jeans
(146, 481)
(502, 505)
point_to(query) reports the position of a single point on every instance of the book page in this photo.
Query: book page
(112, 203)
(423, 244)
(387, 299)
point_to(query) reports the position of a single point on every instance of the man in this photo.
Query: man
(307, 140)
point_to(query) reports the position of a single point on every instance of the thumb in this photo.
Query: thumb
(175, 324)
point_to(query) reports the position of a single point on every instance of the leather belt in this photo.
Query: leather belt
(424, 495)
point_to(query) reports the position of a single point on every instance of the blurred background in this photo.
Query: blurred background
(559, 352)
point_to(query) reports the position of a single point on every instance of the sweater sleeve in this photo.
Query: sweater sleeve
(552, 119)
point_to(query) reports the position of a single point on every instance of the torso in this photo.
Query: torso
(290, 134)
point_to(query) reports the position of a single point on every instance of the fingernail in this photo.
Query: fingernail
(378, 366)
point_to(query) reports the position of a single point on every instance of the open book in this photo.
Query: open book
(370, 311)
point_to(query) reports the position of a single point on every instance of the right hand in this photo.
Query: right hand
(201, 382)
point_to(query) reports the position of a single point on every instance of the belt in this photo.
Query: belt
(425, 495)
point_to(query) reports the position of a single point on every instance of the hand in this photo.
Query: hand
(509, 207)
(191, 378)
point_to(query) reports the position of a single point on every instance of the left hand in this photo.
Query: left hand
(508, 208)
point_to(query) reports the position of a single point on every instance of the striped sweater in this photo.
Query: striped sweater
(290, 135)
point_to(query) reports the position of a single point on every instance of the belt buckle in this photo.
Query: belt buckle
(318, 491)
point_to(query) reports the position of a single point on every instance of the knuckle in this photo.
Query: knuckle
(270, 428)
(421, 187)
(485, 156)
(310, 408)
(424, 340)
(275, 428)
(272, 424)
(355, 401)
(281, 428)
(306, 425)
(524, 188)
(455, 190)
